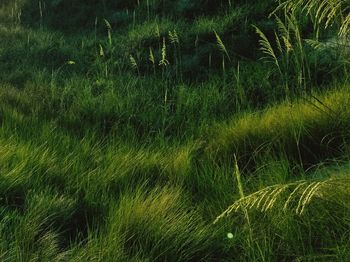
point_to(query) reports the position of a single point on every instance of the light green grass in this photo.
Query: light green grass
(104, 160)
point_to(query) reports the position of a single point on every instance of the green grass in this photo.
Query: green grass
(104, 158)
(314, 125)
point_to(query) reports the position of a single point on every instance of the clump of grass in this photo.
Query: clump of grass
(128, 166)
(37, 234)
(282, 125)
(154, 226)
(290, 57)
(205, 25)
(324, 13)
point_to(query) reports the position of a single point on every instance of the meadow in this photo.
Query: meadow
(158, 130)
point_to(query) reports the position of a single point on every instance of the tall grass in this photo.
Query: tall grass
(324, 13)
(118, 142)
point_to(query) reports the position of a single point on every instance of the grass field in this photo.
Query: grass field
(162, 130)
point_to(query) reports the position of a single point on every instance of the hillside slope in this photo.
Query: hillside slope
(129, 127)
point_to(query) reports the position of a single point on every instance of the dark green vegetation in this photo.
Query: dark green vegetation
(128, 127)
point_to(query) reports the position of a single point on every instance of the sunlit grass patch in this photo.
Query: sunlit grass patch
(156, 224)
(314, 122)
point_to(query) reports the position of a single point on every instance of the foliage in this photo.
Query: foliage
(127, 127)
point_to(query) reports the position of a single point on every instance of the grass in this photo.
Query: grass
(314, 124)
(130, 138)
